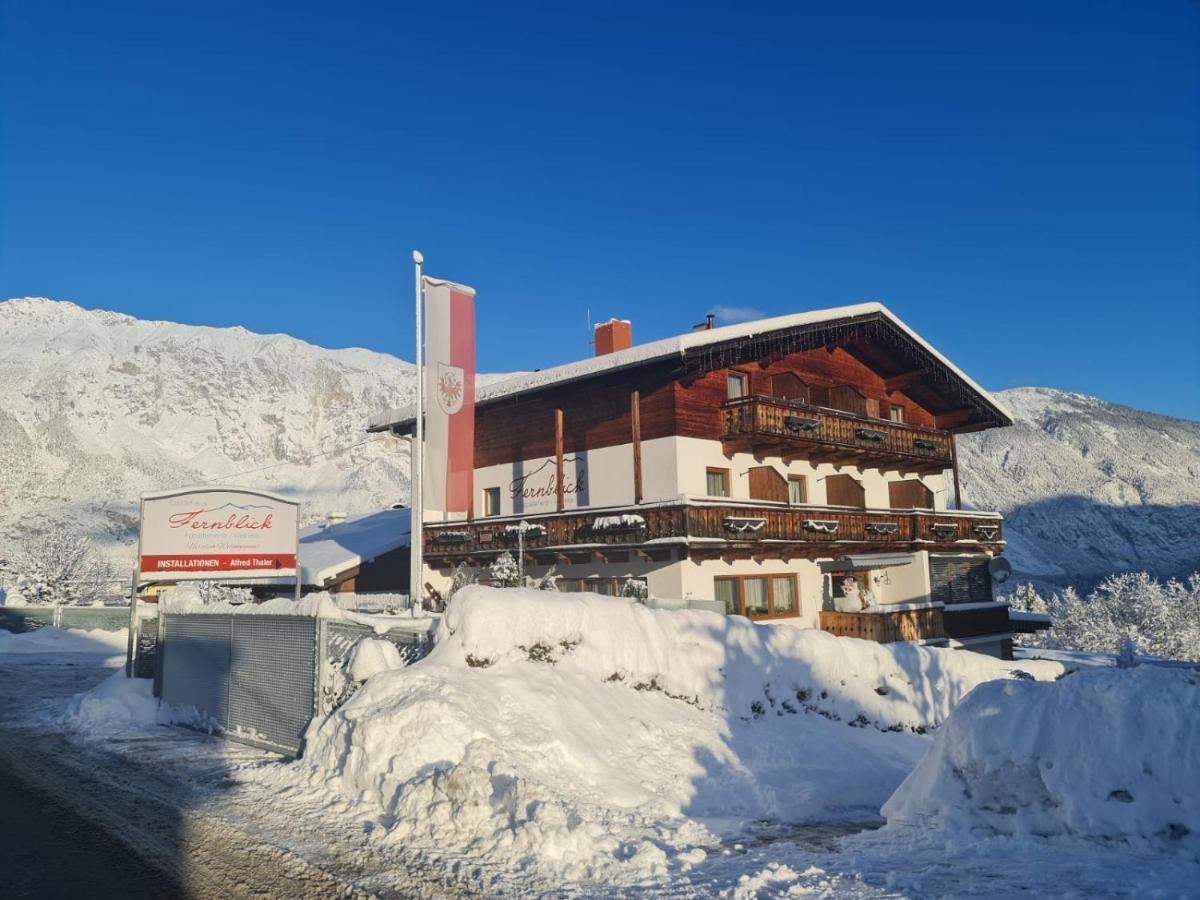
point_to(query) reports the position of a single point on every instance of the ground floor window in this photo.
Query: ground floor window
(758, 596)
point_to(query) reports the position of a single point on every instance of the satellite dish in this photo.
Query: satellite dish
(1000, 569)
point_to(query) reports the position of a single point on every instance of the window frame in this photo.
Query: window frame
(801, 480)
(491, 491)
(740, 375)
(725, 477)
(896, 414)
(769, 578)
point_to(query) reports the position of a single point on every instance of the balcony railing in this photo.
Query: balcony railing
(886, 627)
(716, 524)
(797, 428)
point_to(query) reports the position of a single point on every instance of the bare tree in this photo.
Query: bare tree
(58, 566)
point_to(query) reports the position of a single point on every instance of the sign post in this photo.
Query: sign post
(206, 533)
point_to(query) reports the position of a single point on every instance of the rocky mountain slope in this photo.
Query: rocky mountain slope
(1088, 487)
(97, 407)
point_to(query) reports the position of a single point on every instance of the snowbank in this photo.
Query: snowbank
(718, 662)
(1104, 753)
(585, 737)
(114, 704)
(60, 640)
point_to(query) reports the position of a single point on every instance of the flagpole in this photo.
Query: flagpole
(416, 458)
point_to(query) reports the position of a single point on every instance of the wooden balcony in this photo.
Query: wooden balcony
(886, 627)
(708, 528)
(794, 430)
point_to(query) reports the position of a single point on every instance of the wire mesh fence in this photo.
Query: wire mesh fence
(260, 679)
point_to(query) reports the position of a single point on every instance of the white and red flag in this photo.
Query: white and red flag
(449, 469)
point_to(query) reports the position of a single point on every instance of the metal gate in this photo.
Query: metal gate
(260, 679)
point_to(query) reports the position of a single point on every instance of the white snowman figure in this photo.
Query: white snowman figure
(851, 599)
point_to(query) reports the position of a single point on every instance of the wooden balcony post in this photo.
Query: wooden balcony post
(635, 418)
(954, 468)
(558, 459)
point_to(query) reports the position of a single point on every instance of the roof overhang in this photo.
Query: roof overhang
(715, 348)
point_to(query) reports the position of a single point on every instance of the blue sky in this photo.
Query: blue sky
(1019, 181)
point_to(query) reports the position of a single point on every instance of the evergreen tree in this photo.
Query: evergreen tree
(504, 571)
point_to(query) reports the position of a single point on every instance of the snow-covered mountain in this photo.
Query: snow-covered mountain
(97, 407)
(1088, 487)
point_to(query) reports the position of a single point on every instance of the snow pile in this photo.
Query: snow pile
(586, 737)
(718, 662)
(1103, 753)
(61, 640)
(370, 657)
(114, 704)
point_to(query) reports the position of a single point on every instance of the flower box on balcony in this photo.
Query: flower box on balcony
(512, 532)
(450, 537)
(987, 532)
(943, 530)
(821, 526)
(743, 524)
(882, 528)
(929, 446)
(624, 524)
(870, 434)
(800, 423)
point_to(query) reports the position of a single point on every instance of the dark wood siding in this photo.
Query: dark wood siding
(767, 484)
(596, 413)
(848, 398)
(909, 494)
(843, 490)
(789, 386)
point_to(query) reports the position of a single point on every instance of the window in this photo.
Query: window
(726, 591)
(491, 501)
(717, 482)
(783, 590)
(758, 596)
(754, 597)
(735, 385)
(797, 490)
(896, 413)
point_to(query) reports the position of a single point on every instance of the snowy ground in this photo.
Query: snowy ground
(524, 773)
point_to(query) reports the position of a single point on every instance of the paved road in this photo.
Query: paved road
(188, 803)
(48, 850)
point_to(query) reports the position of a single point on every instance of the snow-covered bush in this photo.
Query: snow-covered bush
(636, 589)
(504, 571)
(1161, 619)
(213, 592)
(58, 566)
(463, 575)
(549, 581)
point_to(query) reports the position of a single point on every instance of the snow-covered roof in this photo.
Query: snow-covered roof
(327, 550)
(679, 346)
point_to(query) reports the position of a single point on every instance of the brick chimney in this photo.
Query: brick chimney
(613, 335)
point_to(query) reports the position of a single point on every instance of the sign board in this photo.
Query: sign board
(217, 532)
